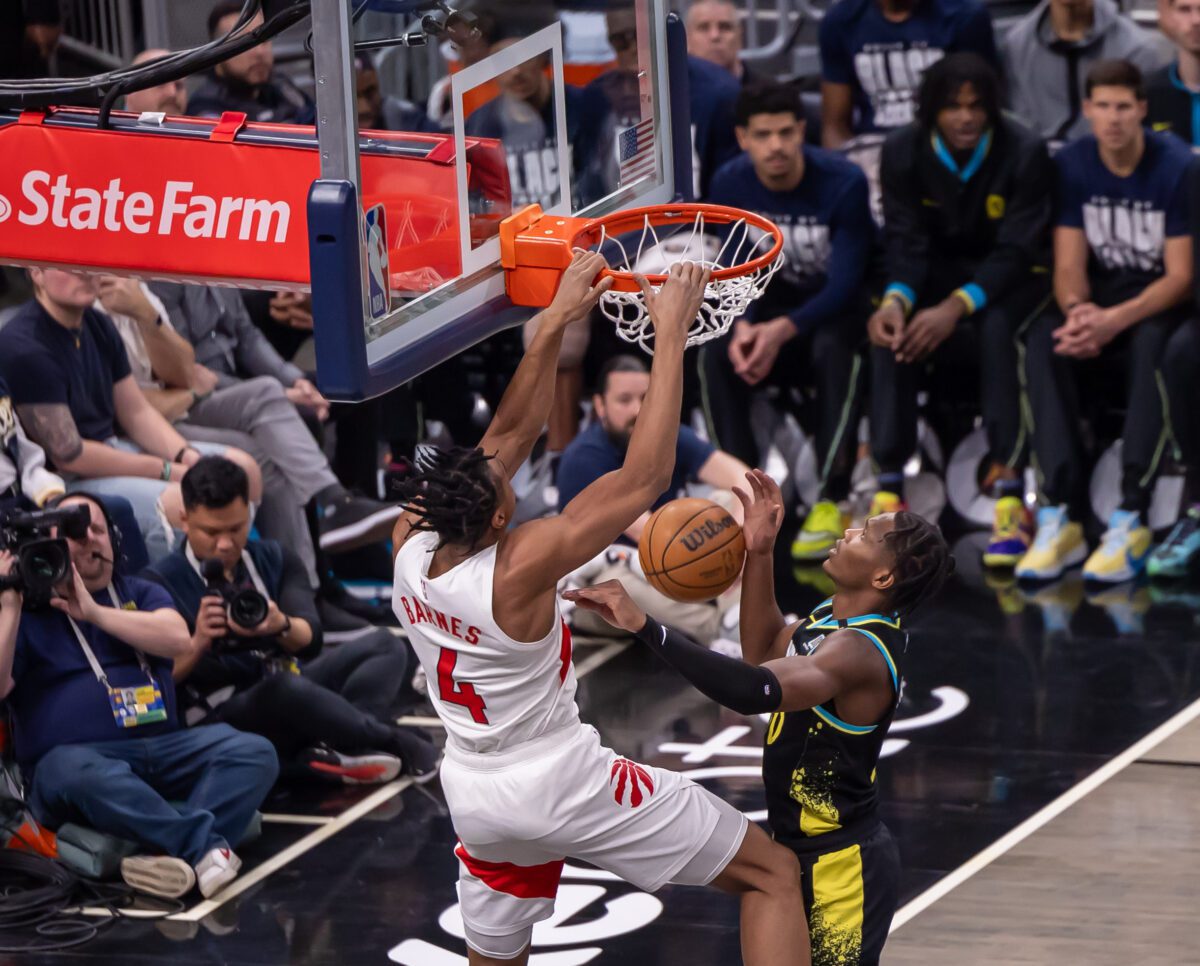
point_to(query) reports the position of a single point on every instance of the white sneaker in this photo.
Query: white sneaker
(158, 875)
(216, 870)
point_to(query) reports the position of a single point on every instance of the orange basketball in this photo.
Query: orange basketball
(692, 549)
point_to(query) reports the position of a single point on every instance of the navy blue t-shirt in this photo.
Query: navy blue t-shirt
(530, 145)
(828, 233)
(44, 362)
(591, 454)
(1126, 220)
(57, 700)
(883, 61)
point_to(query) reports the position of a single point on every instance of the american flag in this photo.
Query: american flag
(636, 151)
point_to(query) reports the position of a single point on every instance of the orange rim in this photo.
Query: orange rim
(633, 219)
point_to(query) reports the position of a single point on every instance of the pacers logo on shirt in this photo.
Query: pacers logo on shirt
(995, 207)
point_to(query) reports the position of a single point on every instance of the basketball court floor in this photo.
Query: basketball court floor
(1041, 779)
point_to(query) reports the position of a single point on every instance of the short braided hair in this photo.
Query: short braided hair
(923, 561)
(452, 493)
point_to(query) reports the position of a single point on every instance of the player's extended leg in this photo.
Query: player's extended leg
(767, 877)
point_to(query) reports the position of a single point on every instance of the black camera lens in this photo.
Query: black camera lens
(42, 564)
(248, 608)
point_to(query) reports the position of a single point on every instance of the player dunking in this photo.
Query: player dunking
(832, 683)
(528, 784)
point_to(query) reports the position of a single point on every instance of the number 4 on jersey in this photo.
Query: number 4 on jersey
(464, 695)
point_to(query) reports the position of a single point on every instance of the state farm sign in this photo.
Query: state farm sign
(203, 206)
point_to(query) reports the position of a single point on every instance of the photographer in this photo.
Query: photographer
(88, 681)
(326, 715)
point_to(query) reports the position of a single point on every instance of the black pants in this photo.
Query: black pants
(850, 896)
(825, 359)
(984, 343)
(1054, 384)
(1181, 375)
(341, 699)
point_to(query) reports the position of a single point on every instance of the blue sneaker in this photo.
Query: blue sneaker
(1175, 556)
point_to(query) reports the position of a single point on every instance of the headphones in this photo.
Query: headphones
(114, 531)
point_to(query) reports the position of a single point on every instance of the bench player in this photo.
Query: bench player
(528, 784)
(831, 683)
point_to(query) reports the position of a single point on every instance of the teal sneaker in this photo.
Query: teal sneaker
(1176, 555)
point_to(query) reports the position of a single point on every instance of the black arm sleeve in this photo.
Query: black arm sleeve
(739, 686)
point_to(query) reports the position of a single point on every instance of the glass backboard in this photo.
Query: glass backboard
(571, 106)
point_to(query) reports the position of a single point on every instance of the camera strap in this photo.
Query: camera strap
(130, 706)
(251, 570)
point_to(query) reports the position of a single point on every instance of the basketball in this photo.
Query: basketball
(691, 550)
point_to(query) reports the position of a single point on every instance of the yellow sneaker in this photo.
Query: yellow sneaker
(1122, 552)
(1012, 533)
(885, 502)
(823, 527)
(1059, 545)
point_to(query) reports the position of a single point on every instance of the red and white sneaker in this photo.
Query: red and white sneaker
(216, 870)
(373, 768)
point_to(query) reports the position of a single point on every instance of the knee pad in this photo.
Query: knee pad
(508, 946)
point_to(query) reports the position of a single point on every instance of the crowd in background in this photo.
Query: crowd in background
(1015, 241)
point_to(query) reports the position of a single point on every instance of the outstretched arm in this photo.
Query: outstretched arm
(762, 623)
(785, 684)
(541, 552)
(523, 411)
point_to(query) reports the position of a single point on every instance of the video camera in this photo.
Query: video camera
(42, 560)
(244, 606)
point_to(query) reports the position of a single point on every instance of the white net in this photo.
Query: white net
(725, 300)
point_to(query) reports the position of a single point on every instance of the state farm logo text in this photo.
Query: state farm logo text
(176, 209)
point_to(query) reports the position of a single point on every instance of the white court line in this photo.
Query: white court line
(582, 669)
(1064, 801)
(280, 819)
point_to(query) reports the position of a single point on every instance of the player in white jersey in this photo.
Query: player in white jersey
(528, 784)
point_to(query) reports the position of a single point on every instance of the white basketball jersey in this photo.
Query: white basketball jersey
(490, 691)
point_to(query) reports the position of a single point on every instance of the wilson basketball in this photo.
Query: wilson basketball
(692, 549)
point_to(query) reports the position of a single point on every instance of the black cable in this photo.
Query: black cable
(41, 899)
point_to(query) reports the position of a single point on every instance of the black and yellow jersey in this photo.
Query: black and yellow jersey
(819, 771)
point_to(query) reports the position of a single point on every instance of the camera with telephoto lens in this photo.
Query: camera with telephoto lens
(42, 560)
(244, 606)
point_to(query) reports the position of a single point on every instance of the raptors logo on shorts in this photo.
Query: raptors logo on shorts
(631, 775)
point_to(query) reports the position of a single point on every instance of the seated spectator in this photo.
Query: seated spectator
(1048, 52)
(1179, 555)
(523, 117)
(874, 52)
(73, 389)
(805, 329)
(600, 449)
(612, 104)
(468, 48)
(96, 731)
(326, 715)
(1173, 91)
(169, 97)
(714, 33)
(254, 415)
(24, 480)
(1122, 283)
(384, 113)
(232, 354)
(966, 195)
(248, 82)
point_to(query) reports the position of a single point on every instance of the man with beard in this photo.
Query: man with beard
(600, 449)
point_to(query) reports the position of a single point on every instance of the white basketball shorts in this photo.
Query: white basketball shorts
(520, 814)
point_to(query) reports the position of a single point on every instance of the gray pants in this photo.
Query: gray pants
(257, 417)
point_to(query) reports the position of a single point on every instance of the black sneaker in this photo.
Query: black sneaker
(419, 755)
(371, 768)
(349, 521)
(338, 626)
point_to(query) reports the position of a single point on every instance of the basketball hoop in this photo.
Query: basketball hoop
(744, 254)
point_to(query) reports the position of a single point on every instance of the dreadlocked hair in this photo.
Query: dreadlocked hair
(452, 493)
(923, 561)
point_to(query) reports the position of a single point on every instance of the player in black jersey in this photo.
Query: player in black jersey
(831, 682)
